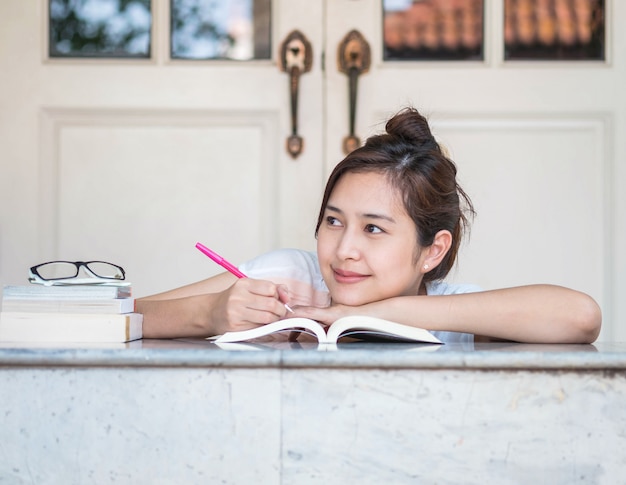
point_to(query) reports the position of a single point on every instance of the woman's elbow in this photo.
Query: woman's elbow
(588, 320)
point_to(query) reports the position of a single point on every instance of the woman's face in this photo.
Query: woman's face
(367, 243)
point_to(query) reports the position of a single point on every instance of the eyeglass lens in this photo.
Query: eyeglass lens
(104, 270)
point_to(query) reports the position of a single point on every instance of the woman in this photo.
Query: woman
(388, 232)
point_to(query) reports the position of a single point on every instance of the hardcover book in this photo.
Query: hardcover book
(49, 305)
(65, 292)
(70, 327)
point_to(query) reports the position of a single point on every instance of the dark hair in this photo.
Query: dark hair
(415, 164)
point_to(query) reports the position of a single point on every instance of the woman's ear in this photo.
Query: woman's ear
(434, 253)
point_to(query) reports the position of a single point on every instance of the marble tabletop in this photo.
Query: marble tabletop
(202, 353)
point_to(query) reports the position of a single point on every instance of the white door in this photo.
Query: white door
(134, 161)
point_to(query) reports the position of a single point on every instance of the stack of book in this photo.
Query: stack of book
(72, 313)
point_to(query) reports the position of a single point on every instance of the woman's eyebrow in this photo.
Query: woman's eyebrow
(366, 215)
(379, 216)
(333, 209)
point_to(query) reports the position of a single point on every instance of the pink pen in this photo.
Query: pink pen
(221, 261)
(225, 264)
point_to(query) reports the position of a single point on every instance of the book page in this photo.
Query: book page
(372, 326)
(308, 326)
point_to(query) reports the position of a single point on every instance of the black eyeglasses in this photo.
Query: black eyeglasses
(66, 272)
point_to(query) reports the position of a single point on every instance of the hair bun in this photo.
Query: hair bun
(412, 127)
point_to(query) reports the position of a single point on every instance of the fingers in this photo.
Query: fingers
(258, 301)
(272, 297)
(283, 296)
(259, 287)
(326, 315)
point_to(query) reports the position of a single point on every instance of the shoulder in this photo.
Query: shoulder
(443, 288)
(288, 263)
(297, 269)
(280, 258)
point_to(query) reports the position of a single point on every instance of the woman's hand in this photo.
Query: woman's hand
(246, 304)
(326, 315)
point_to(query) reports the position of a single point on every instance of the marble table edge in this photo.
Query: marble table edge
(308, 359)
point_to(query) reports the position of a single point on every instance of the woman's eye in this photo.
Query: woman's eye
(332, 221)
(372, 229)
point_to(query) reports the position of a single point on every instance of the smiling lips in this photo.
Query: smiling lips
(348, 277)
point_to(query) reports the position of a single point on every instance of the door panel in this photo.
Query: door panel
(105, 160)
(540, 213)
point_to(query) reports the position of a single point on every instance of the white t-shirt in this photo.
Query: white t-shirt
(300, 271)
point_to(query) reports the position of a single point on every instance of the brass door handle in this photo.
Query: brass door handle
(353, 59)
(296, 58)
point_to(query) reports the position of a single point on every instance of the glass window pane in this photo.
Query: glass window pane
(433, 29)
(554, 29)
(100, 28)
(221, 29)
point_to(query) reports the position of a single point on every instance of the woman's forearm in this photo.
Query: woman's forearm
(534, 314)
(184, 311)
(214, 284)
(181, 317)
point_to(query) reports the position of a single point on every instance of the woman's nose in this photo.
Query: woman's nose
(348, 247)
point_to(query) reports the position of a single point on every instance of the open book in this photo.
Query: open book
(361, 327)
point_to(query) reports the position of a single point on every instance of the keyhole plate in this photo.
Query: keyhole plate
(354, 53)
(296, 51)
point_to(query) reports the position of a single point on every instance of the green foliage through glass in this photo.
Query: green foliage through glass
(100, 28)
